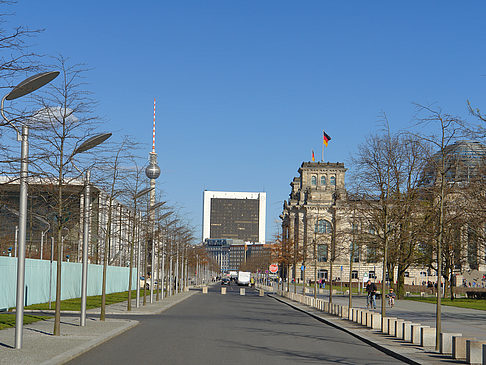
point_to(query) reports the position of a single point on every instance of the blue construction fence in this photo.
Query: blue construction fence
(38, 281)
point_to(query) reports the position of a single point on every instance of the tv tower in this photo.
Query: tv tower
(153, 172)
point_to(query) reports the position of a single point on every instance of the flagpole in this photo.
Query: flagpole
(322, 157)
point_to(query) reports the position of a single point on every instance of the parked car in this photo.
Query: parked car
(225, 281)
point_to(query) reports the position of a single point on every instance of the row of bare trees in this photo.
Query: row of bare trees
(61, 116)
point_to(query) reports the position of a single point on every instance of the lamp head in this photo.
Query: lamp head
(143, 192)
(31, 84)
(92, 142)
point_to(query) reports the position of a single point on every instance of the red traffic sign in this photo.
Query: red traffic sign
(273, 268)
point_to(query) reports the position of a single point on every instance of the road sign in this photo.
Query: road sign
(302, 268)
(365, 277)
(273, 268)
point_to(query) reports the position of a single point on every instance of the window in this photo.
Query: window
(323, 180)
(333, 180)
(322, 253)
(372, 275)
(371, 253)
(324, 226)
(406, 274)
(354, 274)
(354, 252)
(313, 180)
(323, 274)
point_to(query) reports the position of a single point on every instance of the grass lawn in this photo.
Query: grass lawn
(461, 303)
(91, 302)
(8, 320)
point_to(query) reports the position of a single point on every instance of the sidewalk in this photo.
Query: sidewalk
(469, 322)
(41, 347)
(408, 353)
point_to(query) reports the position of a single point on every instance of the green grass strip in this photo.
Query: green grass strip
(479, 304)
(91, 301)
(8, 320)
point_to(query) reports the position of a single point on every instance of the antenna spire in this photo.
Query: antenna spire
(153, 133)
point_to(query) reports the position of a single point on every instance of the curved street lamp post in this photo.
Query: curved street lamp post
(25, 87)
(85, 146)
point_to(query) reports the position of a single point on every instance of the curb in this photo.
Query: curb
(379, 347)
(77, 351)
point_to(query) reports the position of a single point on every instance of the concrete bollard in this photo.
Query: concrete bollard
(407, 331)
(446, 342)
(399, 328)
(459, 347)
(416, 333)
(392, 326)
(427, 337)
(484, 354)
(205, 289)
(376, 321)
(242, 291)
(369, 315)
(474, 351)
(223, 290)
(344, 311)
(261, 293)
(362, 318)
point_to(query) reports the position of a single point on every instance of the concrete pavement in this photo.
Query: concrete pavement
(233, 329)
(41, 347)
(469, 322)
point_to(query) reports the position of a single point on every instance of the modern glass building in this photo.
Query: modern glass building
(234, 215)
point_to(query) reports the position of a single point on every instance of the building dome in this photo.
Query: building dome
(463, 161)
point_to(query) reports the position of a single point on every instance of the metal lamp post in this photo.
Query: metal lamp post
(152, 209)
(135, 198)
(85, 146)
(25, 87)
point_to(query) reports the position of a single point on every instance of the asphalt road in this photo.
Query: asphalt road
(233, 329)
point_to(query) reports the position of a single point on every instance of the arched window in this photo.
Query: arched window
(314, 180)
(324, 226)
(323, 180)
(333, 180)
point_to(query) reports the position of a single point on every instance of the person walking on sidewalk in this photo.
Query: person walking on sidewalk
(371, 290)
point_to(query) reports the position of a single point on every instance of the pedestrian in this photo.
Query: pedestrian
(371, 297)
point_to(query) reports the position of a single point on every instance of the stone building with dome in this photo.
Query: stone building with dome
(319, 202)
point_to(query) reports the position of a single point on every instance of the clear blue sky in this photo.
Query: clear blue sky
(245, 88)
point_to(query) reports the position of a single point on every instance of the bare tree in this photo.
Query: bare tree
(446, 129)
(119, 180)
(65, 118)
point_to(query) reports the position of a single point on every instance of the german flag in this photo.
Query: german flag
(313, 158)
(325, 138)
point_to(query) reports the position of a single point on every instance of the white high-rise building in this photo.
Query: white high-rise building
(234, 215)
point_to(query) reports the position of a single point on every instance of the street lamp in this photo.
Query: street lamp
(135, 197)
(152, 208)
(85, 146)
(25, 87)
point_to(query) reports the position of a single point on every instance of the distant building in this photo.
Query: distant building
(234, 215)
(232, 255)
